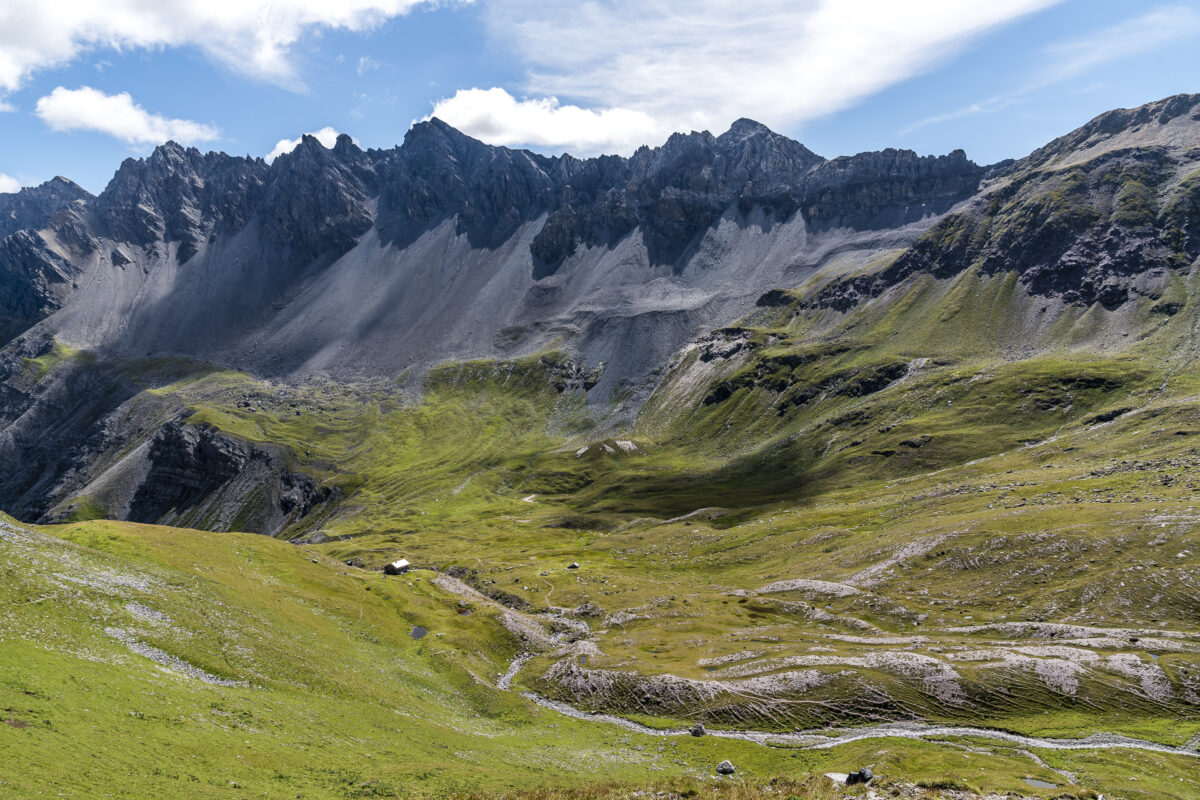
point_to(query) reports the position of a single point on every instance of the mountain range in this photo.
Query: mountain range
(724, 432)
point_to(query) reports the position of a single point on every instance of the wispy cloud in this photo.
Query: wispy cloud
(9, 185)
(1135, 36)
(1074, 58)
(988, 106)
(679, 64)
(254, 37)
(118, 116)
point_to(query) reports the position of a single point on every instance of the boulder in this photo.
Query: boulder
(588, 610)
(698, 730)
(726, 768)
(863, 775)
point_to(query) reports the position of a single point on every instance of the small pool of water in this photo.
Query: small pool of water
(418, 632)
(1038, 783)
(583, 660)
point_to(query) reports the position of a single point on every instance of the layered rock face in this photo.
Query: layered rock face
(89, 439)
(196, 476)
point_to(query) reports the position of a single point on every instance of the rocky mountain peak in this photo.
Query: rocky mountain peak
(171, 153)
(309, 153)
(433, 138)
(1168, 123)
(743, 127)
(32, 206)
(345, 146)
(315, 201)
(175, 195)
(59, 189)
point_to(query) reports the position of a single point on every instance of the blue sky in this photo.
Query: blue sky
(85, 86)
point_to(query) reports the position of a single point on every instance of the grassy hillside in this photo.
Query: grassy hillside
(226, 665)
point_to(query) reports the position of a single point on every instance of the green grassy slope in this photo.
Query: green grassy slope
(334, 698)
(287, 674)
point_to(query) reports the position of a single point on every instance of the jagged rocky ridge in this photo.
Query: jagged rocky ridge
(345, 259)
(230, 258)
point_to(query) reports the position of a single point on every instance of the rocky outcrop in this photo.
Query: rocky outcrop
(34, 281)
(440, 174)
(43, 238)
(200, 477)
(1167, 122)
(85, 440)
(673, 193)
(316, 204)
(1104, 230)
(886, 189)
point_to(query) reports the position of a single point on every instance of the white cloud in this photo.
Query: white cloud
(367, 64)
(326, 136)
(9, 185)
(1076, 57)
(703, 63)
(495, 116)
(6, 106)
(117, 115)
(249, 36)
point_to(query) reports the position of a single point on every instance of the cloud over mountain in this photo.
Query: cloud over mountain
(117, 115)
(635, 71)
